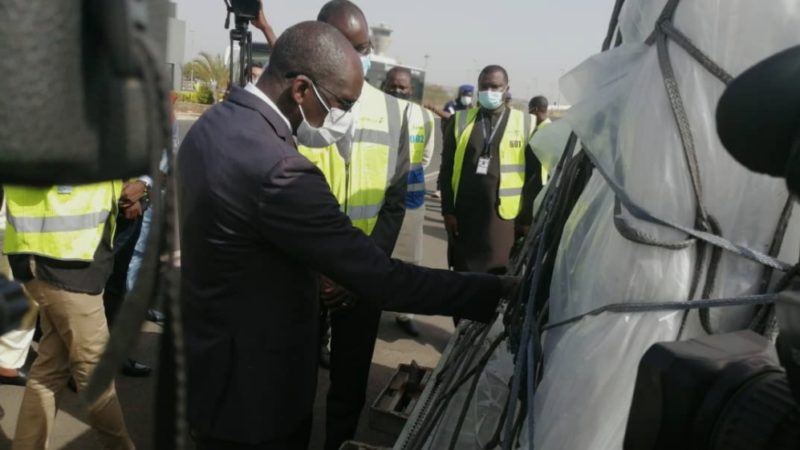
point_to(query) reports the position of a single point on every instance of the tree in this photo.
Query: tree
(210, 70)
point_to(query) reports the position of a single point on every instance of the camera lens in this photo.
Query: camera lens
(761, 414)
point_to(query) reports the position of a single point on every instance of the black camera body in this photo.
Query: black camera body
(98, 105)
(717, 392)
(245, 10)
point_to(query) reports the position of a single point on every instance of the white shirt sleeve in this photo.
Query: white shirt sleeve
(427, 155)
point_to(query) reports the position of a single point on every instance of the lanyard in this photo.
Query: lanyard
(487, 142)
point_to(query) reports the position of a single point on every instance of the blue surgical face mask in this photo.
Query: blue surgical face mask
(490, 99)
(366, 63)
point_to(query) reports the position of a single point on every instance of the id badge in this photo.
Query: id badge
(483, 166)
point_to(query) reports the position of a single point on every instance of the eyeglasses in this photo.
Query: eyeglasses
(344, 104)
(364, 49)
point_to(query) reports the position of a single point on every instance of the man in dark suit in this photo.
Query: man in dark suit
(258, 226)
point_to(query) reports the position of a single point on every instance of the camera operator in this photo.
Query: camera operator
(258, 223)
(58, 242)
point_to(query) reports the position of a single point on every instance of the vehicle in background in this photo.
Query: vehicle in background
(382, 63)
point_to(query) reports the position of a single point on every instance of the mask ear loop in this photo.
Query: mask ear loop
(303, 114)
(319, 97)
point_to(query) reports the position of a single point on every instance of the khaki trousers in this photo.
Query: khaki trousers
(74, 335)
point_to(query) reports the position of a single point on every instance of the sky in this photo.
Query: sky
(535, 40)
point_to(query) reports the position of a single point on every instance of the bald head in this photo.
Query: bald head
(538, 107)
(348, 18)
(315, 67)
(317, 50)
(338, 8)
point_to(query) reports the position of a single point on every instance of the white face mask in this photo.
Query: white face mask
(466, 100)
(335, 126)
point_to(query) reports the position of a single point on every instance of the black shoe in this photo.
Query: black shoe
(133, 368)
(407, 325)
(325, 357)
(156, 316)
(19, 380)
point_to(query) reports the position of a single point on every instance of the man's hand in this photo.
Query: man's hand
(132, 192)
(451, 225)
(509, 286)
(132, 211)
(262, 24)
(335, 297)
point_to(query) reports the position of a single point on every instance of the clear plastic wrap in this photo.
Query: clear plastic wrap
(623, 117)
(548, 145)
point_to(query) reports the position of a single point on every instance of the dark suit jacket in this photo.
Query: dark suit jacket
(258, 223)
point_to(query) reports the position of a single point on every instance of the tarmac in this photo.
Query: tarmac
(137, 395)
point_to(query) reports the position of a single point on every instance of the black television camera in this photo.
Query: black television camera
(243, 12)
(98, 105)
(97, 108)
(736, 390)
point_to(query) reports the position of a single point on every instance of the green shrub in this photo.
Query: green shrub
(189, 97)
(204, 95)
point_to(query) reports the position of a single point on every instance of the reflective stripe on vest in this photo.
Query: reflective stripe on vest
(420, 129)
(360, 184)
(512, 158)
(60, 222)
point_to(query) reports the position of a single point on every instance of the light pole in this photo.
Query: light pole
(426, 62)
(191, 52)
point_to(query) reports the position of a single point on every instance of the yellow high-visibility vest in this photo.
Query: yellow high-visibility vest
(512, 157)
(59, 222)
(360, 183)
